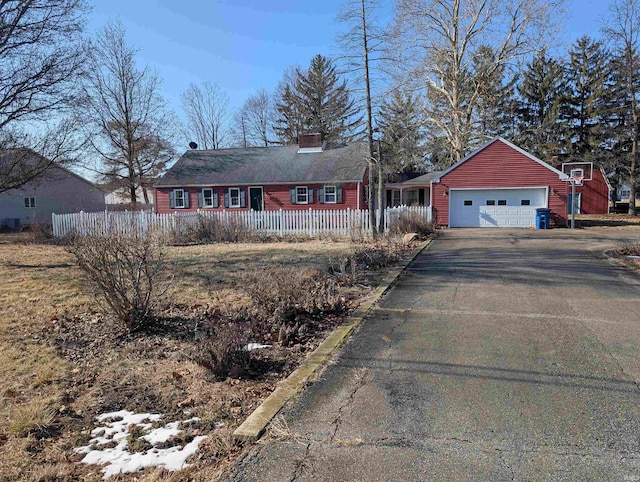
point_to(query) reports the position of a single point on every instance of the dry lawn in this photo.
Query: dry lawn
(62, 362)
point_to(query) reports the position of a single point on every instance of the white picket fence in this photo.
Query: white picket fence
(282, 223)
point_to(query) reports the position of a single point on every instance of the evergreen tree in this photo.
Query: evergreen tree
(316, 102)
(588, 78)
(495, 96)
(289, 115)
(542, 92)
(402, 127)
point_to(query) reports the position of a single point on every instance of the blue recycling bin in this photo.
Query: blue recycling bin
(543, 216)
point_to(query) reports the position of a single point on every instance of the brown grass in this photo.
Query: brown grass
(47, 382)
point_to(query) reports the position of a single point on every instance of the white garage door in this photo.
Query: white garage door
(502, 208)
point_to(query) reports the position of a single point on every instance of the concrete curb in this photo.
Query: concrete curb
(253, 427)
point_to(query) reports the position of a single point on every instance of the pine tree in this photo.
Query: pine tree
(495, 95)
(588, 78)
(541, 95)
(400, 121)
(317, 102)
(289, 116)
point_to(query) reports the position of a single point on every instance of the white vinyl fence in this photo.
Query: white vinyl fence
(281, 223)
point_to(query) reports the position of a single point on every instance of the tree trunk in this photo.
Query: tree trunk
(375, 224)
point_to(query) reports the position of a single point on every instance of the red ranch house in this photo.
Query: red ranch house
(501, 185)
(267, 178)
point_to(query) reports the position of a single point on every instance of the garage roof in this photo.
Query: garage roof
(560, 174)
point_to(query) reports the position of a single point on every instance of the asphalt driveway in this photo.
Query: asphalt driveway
(499, 355)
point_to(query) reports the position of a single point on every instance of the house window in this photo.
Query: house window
(180, 199)
(502, 202)
(491, 202)
(234, 197)
(29, 202)
(207, 198)
(396, 198)
(525, 202)
(330, 194)
(468, 203)
(411, 198)
(302, 195)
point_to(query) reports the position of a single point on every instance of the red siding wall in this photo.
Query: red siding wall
(499, 165)
(275, 197)
(594, 194)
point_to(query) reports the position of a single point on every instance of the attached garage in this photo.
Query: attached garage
(490, 208)
(499, 185)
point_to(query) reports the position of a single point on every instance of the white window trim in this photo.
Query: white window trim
(231, 204)
(334, 194)
(306, 195)
(204, 198)
(182, 199)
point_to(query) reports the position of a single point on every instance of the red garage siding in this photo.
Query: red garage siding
(499, 165)
(275, 197)
(594, 194)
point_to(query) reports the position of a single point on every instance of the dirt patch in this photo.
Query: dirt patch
(63, 362)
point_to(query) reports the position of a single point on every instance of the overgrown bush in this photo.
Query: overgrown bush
(207, 229)
(410, 222)
(629, 249)
(287, 299)
(224, 352)
(125, 272)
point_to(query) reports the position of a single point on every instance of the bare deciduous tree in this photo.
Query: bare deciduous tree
(254, 121)
(623, 29)
(207, 112)
(361, 43)
(41, 55)
(126, 120)
(439, 40)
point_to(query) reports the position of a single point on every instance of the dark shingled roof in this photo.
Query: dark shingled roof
(424, 179)
(267, 165)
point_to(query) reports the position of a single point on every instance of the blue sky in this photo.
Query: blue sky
(245, 45)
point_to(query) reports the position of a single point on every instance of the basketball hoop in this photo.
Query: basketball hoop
(577, 177)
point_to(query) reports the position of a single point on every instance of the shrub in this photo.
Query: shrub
(286, 298)
(208, 229)
(630, 249)
(126, 272)
(409, 222)
(224, 353)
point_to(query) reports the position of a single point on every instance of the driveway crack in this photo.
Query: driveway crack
(360, 375)
(512, 475)
(301, 465)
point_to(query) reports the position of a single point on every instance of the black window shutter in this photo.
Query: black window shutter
(242, 196)
(338, 194)
(226, 198)
(186, 198)
(310, 195)
(172, 199)
(215, 198)
(321, 195)
(200, 198)
(292, 193)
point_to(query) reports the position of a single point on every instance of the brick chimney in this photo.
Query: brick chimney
(310, 141)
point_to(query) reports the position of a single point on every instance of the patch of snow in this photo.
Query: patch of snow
(255, 346)
(633, 257)
(119, 460)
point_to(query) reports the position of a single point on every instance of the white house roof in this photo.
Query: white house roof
(560, 174)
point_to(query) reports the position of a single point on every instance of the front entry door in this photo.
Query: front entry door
(255, 195)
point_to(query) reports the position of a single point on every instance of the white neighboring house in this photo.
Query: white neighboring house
(57, 191)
